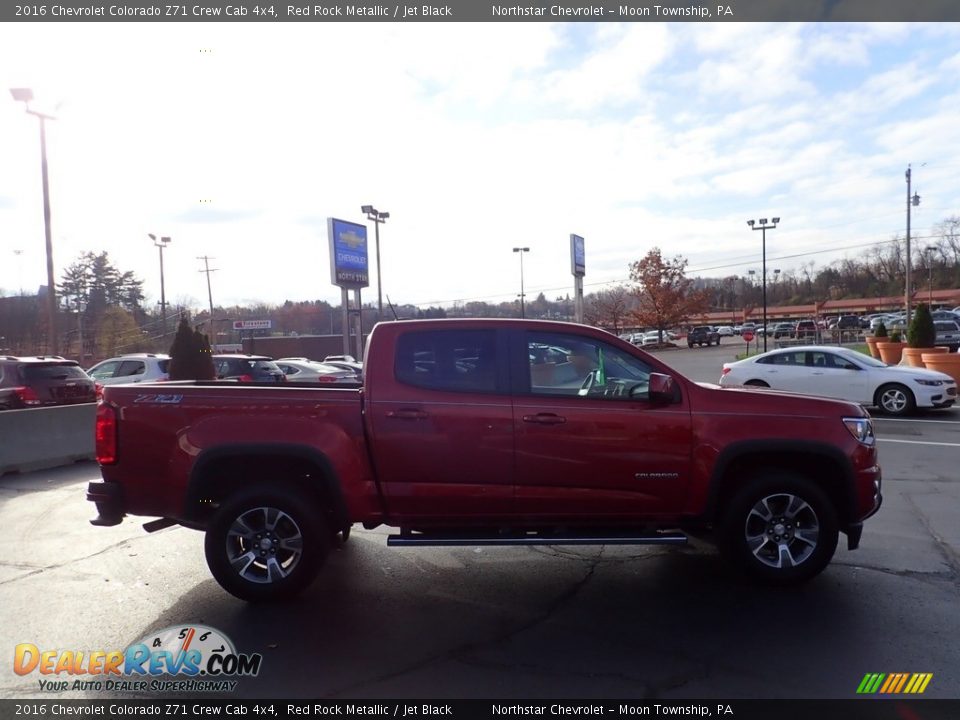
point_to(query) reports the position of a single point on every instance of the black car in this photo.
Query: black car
(703, 335)
(28, 382)
(247, 368)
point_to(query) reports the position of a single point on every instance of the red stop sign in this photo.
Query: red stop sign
(747, 335)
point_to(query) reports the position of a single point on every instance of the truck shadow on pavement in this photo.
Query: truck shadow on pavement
(545, 622)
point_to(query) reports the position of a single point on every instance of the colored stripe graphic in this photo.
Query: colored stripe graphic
(894, 683)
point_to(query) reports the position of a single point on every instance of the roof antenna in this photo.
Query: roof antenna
(392, 309)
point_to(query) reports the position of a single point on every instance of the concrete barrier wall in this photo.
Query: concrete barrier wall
(40, 438)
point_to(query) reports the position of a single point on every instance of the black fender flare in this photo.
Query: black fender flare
(329, 480)
(745, 449)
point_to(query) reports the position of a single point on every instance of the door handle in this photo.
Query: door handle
(407, 414)
(545, 419)
(817, 372)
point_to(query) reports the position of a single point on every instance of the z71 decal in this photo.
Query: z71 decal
(157, 398)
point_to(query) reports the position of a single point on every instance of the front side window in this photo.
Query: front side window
(104, 370)
(131, 367)
(449, 360)
(580, 367)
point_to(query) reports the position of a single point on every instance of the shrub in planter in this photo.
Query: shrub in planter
(881, 331)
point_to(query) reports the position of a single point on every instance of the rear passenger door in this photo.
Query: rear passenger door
(442, 429)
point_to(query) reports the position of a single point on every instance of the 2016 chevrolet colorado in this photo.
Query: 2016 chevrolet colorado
(487, 432)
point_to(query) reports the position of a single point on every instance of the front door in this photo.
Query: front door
(589, 444)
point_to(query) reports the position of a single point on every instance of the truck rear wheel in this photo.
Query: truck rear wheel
(266, 544)
(779, 528)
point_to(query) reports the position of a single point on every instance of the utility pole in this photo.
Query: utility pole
(915, 200)
(521, 250)
(163, 242)
(207, 269)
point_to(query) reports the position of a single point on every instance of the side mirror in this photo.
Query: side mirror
(663, 389)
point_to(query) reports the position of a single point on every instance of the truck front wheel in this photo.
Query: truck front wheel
(780, 528)
(266, 544)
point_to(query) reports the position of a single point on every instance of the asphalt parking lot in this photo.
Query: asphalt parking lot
(613, 622)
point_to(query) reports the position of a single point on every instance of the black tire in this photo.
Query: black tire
(281, 535)
(779, 528)
(756, 383)
(895, 399)
(690, 345)
(345, 534)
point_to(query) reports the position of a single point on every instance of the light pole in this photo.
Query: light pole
(161, 244)
(378, 218)
(521, 250)
(915, 200)
(929, 249)
(763, 227)
(207, 269)
(25, 95)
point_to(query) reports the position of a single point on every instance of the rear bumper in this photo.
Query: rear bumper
(109, 500)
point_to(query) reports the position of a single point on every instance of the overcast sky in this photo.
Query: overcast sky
(239, 140)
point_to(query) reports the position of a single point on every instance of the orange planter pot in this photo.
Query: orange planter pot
(912, 355)
(872, 345)
(891, 352)
(948, 363)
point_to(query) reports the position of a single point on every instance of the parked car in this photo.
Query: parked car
(702, 335)
(805, 329)
(725, 331)
(27, 382)
(247, 368)
(132, 368)
(340, 358)
(783, 330)
(948, 315)
(304, 370)
(948, 334)
(354, 367)
(844, 374)
(462, 436)
(845, 322)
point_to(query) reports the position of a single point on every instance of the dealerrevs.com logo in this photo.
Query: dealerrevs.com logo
(191, 658)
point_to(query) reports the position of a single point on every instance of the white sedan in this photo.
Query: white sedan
(846, 374)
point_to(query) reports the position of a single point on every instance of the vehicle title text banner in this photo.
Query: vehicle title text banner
(479, 11)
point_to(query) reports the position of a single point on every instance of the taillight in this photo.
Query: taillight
(98, 389)
(725, 371)
(106, 434)
(26, 395)
(327, 378)
(245, 378)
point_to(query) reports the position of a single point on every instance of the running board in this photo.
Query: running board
(406, 539)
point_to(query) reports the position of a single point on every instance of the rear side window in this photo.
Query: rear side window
(32, 373)
(451, 360)
(164, 365)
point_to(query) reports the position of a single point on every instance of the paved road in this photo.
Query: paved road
(513, 622)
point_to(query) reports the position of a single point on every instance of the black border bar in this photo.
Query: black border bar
(872, 708)
(268, 11)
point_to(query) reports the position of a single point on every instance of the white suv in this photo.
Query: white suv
(132, 368)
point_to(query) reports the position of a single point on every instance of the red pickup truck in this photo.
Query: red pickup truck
(487, 432)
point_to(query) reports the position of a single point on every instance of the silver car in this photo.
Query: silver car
(132, 368)
(304, 370)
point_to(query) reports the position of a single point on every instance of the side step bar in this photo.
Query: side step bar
(410, 539)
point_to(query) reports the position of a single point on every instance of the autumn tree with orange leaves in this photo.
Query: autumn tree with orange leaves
(664, 296)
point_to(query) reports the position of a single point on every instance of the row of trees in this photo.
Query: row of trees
(102, 305)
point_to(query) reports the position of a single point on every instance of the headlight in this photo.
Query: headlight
(862, 429)
(932, 383)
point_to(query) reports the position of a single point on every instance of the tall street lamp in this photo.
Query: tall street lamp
(929, 250)
(521, 250)
(378, 219)
(763, 227)
(161, 243)
(25, 95)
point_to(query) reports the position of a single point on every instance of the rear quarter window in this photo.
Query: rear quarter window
(449, 360)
